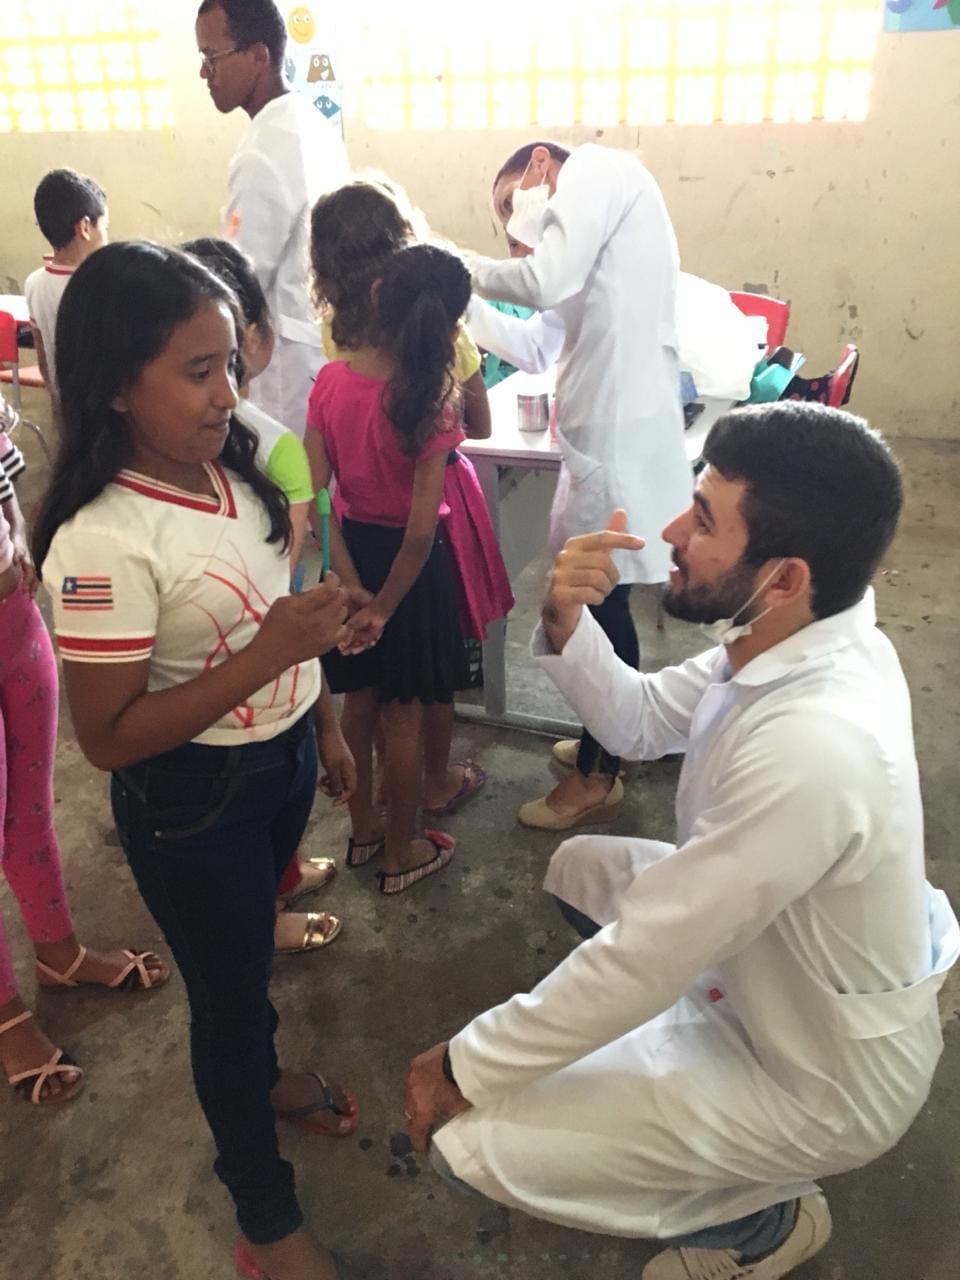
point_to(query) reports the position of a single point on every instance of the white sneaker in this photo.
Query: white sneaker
(811, 1232)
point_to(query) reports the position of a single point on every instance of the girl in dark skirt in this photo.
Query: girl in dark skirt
(383, 424)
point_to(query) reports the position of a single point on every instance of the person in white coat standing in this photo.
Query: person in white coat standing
(288, 157)
(754, 1008)
(604, 266)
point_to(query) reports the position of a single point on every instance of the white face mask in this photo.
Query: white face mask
(727, 630)
(529, 206)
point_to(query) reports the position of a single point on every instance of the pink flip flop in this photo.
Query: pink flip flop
(474, 779)
(247, 1267)
(245, 1264)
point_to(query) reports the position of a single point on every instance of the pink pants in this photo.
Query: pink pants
(28, 738)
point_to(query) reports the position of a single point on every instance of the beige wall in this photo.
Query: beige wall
(857, 225)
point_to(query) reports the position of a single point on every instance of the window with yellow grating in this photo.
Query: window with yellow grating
(82, 64)
(435, 64)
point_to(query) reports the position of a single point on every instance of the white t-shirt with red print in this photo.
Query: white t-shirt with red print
(149, 571)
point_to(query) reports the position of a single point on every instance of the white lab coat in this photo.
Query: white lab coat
(607, 266)
(760, 1009)
(288, 157)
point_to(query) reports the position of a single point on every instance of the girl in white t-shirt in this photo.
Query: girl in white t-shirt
(282, 456)
(191, 675)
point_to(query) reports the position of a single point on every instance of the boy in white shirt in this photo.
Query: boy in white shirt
(71, 212)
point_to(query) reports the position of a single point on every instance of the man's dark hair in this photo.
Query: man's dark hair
(520, 159)
(61, 200)
(821, 485)
(253, 22)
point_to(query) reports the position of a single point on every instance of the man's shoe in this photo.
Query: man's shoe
(810, 1233)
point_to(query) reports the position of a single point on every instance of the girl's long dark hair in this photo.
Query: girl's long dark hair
(422, 295)
(231, 265)
(117, 314)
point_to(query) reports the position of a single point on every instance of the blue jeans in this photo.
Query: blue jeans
(688, 389)
(753, 1236)
(208, 832)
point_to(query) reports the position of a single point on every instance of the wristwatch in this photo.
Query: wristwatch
(447, 1068)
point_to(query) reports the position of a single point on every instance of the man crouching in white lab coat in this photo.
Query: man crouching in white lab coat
(288, 157)
(756, 1007)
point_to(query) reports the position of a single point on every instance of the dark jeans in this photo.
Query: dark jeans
(616, 622)
(208, 832)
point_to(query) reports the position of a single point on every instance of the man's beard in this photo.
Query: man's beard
(708, 602)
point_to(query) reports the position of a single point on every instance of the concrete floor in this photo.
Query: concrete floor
(118, 1185)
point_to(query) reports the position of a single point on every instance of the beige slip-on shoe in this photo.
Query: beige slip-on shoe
(565, 752)
(539, 814)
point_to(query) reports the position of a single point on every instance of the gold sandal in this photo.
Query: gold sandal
(317, 933)
(325, 869)
(57, 1065)
(134, 976)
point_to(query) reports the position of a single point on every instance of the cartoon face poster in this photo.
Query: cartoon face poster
(921, 15)
(312, 61)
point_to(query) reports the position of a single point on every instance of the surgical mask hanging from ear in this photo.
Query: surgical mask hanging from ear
(529, 206)
(727, 630)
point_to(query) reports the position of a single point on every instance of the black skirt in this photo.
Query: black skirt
(421, 655)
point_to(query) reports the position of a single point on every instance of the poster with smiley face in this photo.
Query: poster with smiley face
(312, 61)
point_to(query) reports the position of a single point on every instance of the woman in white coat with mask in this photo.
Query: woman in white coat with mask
(604, 264)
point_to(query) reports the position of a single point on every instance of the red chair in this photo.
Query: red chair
(12, 372)
(19, 376)
(842, 378)
(775, 312)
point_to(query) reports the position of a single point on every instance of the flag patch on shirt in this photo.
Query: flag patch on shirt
(86, 595)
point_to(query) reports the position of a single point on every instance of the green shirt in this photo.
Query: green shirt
(280, 453)
(495, 369)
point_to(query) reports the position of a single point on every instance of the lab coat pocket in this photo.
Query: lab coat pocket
(587, 498)
(885, 1013)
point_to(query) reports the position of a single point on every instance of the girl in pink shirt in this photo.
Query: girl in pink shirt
(355, 232)
(383, 423)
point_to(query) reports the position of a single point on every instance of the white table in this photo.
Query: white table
(15, 304)
(518, 474)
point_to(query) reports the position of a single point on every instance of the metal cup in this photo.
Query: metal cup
(533, 412)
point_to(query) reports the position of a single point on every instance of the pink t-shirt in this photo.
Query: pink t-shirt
(374, 475)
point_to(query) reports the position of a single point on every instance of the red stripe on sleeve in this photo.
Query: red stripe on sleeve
(88, 644)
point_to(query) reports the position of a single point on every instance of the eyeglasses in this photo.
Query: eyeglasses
(208, 61)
